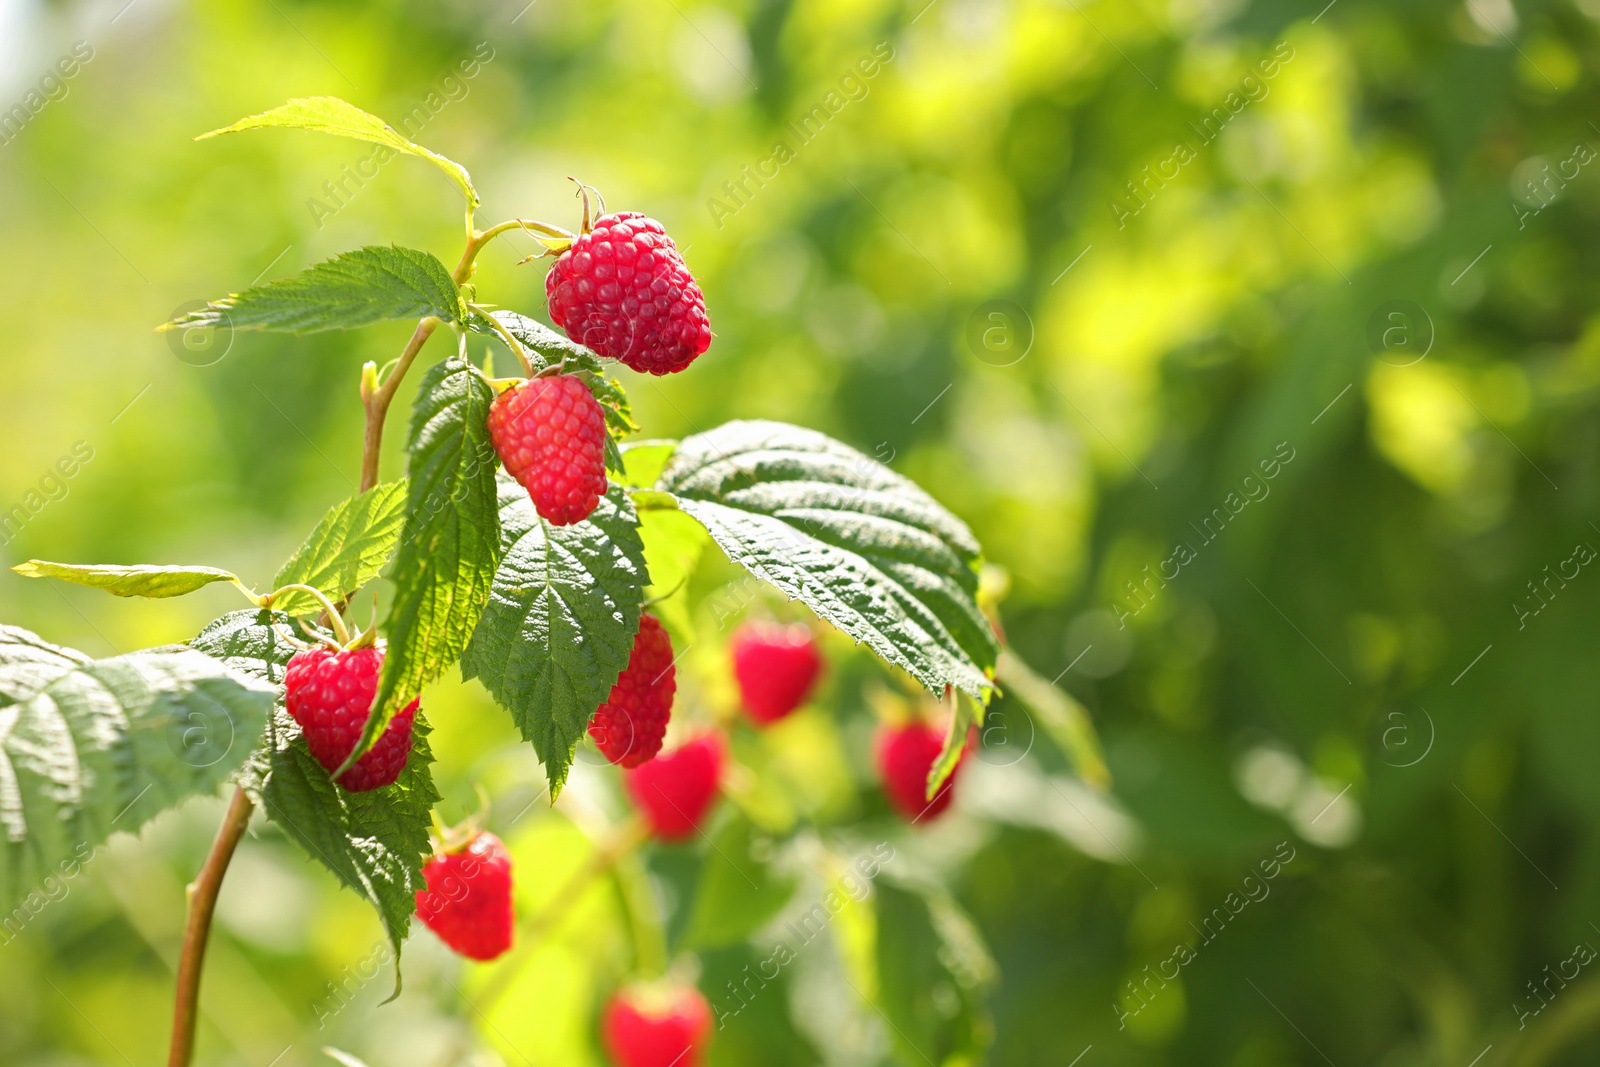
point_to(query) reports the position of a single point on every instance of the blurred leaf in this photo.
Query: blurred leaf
(329, 114)
(359, 288)
(673, 544)
(751, 995)
(451, 545)
(89, 747)
(1063, 718)
(934, 975)
(737, 893)
(154, 582)
(865, 548)
(349, 547)
(560, 621)
(643, 462)
(342, 1057)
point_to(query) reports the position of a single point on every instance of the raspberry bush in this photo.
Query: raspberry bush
(523, 545)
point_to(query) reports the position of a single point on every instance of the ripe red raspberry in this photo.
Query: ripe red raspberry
(676, 789)
(776, 666)
(905, 756)
(664, 1030)
(623, 290)
(330, 694)
(468, 899)
(551, 435)
(629, 726)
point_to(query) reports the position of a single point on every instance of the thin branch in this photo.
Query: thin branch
(197, 931)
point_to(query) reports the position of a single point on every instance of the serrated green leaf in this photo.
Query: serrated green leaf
(374, 842)
(737, 893)
(1065, 720)
(90, 747)
(934, 975)
(150, 581)
(331, 115)
(349, 547)
(254, 642)
(359, 288)
(451, 543)
(545, 348)
(865, 548)
(561, 620)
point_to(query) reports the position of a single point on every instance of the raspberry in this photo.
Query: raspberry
(623, 290)
(330, 695)
(629, 726)
(468, 899)
(664, 1030)
(551, 434)
(905, 756)
(676, 789)
(776, 667)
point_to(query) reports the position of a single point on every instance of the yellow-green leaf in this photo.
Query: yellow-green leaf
(142, 580)
(330, 115)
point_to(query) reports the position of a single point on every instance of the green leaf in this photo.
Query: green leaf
(934, 975)
(643, 461)
(545, 348)
(90, 747)
(737, 893)
(451, 543)
(349, 547)
(673, 544)
(375, 842)
(155, 582)
(1063, 718)
(965, 715)
(329, 114)
(561, 620)
(254, 642)
(359, 288)
(866, 548)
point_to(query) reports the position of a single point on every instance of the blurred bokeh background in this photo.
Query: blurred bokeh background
(1255, 340)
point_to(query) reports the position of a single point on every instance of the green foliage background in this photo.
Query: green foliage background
(1352, 665)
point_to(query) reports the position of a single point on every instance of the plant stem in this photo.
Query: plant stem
(378, 404)
(203, 891)
(202, 904)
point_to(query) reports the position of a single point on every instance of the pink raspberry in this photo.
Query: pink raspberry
(551, 435)
(776, 667)
(330, 694)
(623, 290)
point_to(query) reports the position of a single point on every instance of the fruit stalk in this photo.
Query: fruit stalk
(202, 895)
